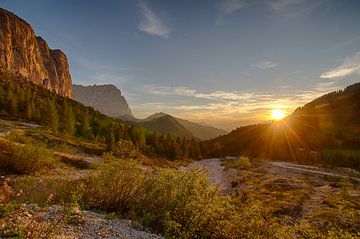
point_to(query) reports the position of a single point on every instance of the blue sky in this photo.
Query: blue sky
(223, 62)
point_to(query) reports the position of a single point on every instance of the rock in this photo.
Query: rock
(22, 53)
(105, 98)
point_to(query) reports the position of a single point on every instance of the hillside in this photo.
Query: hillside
(25, 101)
(177, 126)
(203, 132)
(105, 98)
(166, 124)
(325, 130)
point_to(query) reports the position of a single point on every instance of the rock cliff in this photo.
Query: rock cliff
(105, 98)
(23, 53)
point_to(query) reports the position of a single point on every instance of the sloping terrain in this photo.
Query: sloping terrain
(165, 123)
(203, 132)
(168, 125)
(325, 130)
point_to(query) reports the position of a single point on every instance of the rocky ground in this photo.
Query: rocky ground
(57, 222)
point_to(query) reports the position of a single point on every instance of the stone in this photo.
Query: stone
(25, 54)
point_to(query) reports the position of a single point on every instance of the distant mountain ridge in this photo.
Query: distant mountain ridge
(105, 98)
(166, 123)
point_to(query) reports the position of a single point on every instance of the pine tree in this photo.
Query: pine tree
(68, 123)
(52, 117)
(84, 126)
(110, 139)
(138, 136)
(29, 111)
(12, 102)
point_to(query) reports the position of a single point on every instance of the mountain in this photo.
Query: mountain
(166, 124)
(327, 127)
(105, 98)
(196, 130)
(29, 56)
(203, 132)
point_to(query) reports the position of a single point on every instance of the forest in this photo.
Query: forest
(23, 100)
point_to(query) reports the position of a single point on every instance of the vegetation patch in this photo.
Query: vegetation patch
(25, 159)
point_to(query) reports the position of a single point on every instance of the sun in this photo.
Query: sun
(277, 114)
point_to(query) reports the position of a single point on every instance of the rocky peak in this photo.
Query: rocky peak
(105, 98)
(23, 53)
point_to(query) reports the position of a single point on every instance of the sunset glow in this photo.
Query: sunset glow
(277, 114)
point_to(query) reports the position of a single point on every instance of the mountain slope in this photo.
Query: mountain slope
(328, 123)
(199, 131)
(203, 132)
(168, 125)
(105, 98)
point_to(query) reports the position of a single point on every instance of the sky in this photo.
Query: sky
(222, 62)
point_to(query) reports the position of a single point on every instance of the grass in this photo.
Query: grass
(241, 162)
(345, 152)
(25, 159)
(174, 203)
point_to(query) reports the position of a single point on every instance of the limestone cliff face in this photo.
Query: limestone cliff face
(105, 98)
(23, 53)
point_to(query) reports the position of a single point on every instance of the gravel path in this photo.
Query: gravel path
(216, 173)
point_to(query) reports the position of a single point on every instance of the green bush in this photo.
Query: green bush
(177, 204)
(116, 185)
(25, 159)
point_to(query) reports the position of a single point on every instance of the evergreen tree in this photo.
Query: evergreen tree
(12, 102)
(110, 139)
(68, 124)
(29, 110)
(52, 117)
(84, 125)
(138, 135)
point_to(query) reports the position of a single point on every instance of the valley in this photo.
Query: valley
(76, 161)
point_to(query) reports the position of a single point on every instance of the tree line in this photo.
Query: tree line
(23, 100)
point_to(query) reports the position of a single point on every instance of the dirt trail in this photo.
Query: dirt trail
(309, 169)
(216, 173)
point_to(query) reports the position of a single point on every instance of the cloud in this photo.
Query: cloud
(285, 5)
(244, 98)
(350, 66)
(294, 7)
(266, 65)
(151, 22)
(233, 108)
(230, 6)
(227, 7)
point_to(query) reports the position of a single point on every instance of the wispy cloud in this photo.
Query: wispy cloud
(227, 7)
(266, 65)
(350, 66)
(230, 6)
(233, 108)
(151, 22)
(285, 5)
(294, 7)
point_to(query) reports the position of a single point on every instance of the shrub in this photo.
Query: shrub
(124, 149)
(116, 185)
(177, 204)
(241, 162)
(25, 159)
(48, 191)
